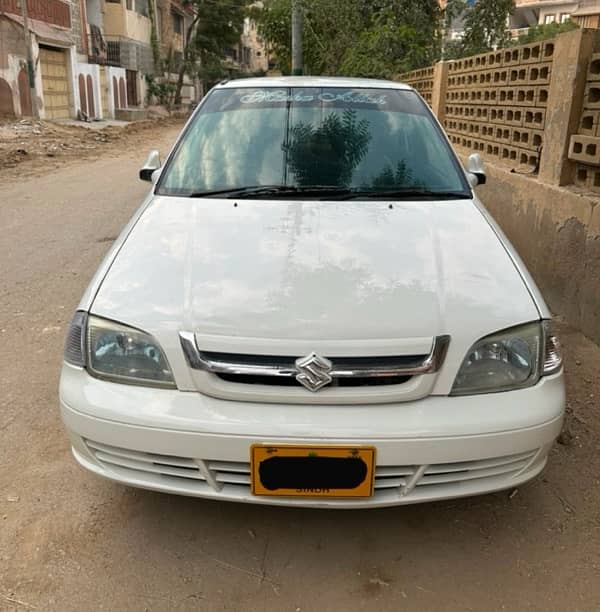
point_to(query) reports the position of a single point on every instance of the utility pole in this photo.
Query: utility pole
(296, 38)
(30, 64)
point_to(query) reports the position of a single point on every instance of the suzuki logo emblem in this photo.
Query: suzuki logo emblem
(314, 371)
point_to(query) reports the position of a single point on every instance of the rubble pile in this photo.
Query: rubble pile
(42, 142)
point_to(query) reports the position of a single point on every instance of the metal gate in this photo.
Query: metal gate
(132, 95)
(55, 83)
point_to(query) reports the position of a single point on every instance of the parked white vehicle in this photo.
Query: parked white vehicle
(313, 308)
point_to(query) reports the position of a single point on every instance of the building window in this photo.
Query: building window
(114, 1)
(129, 5)
(549, 19)
(177, 22)
(564, 17)
(141, 7)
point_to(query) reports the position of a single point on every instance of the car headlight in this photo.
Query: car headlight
(512, 359)
(116, 352)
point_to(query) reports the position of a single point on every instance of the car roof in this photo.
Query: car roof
(303, 81)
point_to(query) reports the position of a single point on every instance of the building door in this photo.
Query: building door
(82, 93)
(6, 100)
(103, 104)
(132, 97)
(115, 92)
(25, 93)
(122, 95)
(90, 97)
(55, 84)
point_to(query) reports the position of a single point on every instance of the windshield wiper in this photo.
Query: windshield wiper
(331, 192)
(406, 194)
(267, 191)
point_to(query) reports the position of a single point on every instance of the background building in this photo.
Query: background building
(253, 57)
(530, 13)
(92, 57)
(53, 44)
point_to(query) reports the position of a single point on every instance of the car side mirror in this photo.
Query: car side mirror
(475, 170)
(152, 164)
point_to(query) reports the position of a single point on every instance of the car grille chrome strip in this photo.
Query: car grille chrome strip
(284, 367)
(198, 475)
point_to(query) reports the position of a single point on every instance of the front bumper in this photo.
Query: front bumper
(190, 444)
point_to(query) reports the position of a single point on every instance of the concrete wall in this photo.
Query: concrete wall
(557, 233)
(112, 72)
(94, 12)
(12, 58)
(138, 27)
(92, 70)
(505, 105)
(118, 21)
(114, 19)
(78, 27)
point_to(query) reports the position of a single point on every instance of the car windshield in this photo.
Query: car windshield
(312, 139)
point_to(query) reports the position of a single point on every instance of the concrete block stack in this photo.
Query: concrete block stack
(584, 147)
(422, 81)
(496, 102)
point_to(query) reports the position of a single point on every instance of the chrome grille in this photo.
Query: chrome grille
(248, 379)
(287, 370)
(198, 475)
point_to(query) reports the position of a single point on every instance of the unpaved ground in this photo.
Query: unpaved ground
(28, 146)
(72, 542)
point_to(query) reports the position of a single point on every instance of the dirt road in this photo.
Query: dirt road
(70, 541)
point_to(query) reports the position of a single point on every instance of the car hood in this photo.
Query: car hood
(250, 274)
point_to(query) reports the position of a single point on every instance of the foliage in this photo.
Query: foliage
(394, 179)
(485, 26)
(216, 27)
(154, 42)
(356, 37)
(454, 49)
(161, 91)
(329, 154)
(543, 32)
(386, 48)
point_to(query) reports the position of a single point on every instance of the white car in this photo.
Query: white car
(313, 308)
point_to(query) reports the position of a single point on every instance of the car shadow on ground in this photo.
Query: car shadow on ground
(235, 534)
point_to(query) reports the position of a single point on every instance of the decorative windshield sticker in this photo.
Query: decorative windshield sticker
(262, 96)
(327, 98)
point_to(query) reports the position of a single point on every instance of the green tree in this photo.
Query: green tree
(545, 31)
(388, 178)
(216, 26)
(356, 37)
(397, 39)
(486, 26)
(329, 154)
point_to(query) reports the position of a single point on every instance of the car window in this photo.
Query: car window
(364, 139)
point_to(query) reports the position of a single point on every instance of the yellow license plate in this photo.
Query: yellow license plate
(312, 471)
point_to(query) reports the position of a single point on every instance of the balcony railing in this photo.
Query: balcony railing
(130, 54)
(516, 32)
(102, 51)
